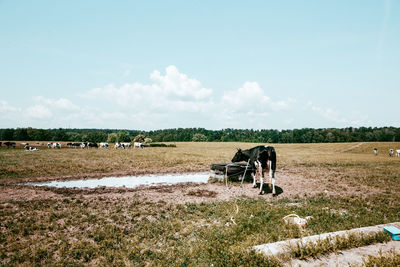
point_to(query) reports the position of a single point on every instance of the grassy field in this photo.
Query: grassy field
(79, 228)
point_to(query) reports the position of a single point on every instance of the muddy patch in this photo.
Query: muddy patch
(130, 181)
(291, 183)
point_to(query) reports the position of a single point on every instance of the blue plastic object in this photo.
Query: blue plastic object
(393, 231)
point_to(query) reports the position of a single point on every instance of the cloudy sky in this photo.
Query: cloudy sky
(213, 64)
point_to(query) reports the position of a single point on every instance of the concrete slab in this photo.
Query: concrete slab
(282, 247)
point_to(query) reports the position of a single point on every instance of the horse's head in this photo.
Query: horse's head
(239, 156)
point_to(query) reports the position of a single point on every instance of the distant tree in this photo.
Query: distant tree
(60, 135)
(148, 140)
(42, 135)
(96, 137)
(7, 134)
(72, 136)
(123, 136)
(21, 134)
(199, 137)
(139, 138)
(112, 138)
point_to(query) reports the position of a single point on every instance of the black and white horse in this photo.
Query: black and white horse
(260, 158)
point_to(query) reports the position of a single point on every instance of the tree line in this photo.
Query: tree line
(305, 135)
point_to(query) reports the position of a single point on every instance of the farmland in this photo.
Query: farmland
(342, 185)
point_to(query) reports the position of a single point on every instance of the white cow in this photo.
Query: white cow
(104, 144)
(125, 145)
(376, 151)
(54, 145)
(138, 144)
(391, 151)
(57, 145)
(30, 148)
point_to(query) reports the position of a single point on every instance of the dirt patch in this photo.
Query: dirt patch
(289, 183)
(15, 193)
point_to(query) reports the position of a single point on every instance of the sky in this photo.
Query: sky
(149, 65)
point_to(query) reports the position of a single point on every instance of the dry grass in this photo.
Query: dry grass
(86, 228)
(18, 165)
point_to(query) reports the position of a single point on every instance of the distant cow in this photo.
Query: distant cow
(30, 148)
(391, 152)
(24, 144)
(104, 144)
(376, 151)
(397, 152)
(90, 144)
(138, 144)
(10, 144)
(74, 145)
(125, 145)
(54, 145)
(260, 158)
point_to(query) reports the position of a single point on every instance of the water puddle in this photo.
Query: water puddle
(131, 181)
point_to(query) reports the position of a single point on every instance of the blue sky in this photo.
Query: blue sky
(213, 64)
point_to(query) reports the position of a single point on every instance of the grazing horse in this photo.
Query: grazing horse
(376, 151)
(260, 158)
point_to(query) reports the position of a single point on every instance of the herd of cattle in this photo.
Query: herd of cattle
(391, 152)
(122, 145)
(82, 145)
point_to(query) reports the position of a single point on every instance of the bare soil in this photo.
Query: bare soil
(289, 184)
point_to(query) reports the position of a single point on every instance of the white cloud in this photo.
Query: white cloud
(170, 99)
(354, 119)
(177, 85)
(38, 112)
(173, 91)
(5, 108)
(61, 103)
(251, 98)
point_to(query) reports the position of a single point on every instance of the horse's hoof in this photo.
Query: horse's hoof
(261, 193)
(254, 186)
